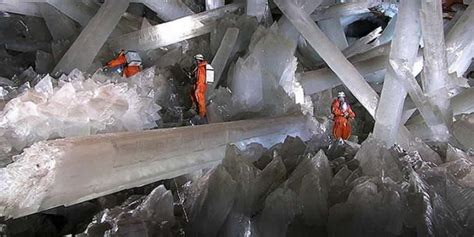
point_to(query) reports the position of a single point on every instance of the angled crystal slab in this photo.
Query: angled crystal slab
(404, 47)
(76, 10)
(168, 10)
(334, 31)
(331, 54)
(258, 8)
(459, 43)
(224, 52)
(430, 112)
(69, 171)
(343, 9)
(60, 26)
(83, 51)
(173, 31)
(287, 29)
(388, 32)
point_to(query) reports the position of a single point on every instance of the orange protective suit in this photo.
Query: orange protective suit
(342, 128)
(120, 60)
(200, 87)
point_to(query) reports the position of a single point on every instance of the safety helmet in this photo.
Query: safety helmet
(341, 94)
(199, 57)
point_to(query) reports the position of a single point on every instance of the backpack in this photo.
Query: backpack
(209, 74)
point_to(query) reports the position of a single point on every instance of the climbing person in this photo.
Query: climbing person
(127, 63)
(198, 94)
(343, 114)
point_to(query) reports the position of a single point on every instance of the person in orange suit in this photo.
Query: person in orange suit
(198, 95)
(343, 114)
(121, 61)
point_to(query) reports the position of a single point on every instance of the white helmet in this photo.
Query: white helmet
(341, 94)
(199, 57)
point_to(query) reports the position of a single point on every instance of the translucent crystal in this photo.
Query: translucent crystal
(343, 9)
(224, 53)
(459, 44)
(435, 72)
(174, 31)
(323, 79)
(168, 10)
(364, 44)
(404, 47)
(44, 62)
(334, 31)
(332, 55)
(83, 51)
(247, 84)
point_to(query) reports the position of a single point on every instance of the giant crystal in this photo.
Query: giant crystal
(343, 9)
(332, 55)
(404, 47)
(76, 10)
(436, 82)
(83, 51)
(334, 31)
(174, 31)
(68, 171)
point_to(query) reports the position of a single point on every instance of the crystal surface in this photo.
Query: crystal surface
(404, 47)
(343, 9)
(459, 44)
(76, 10)
(224, 53)
(60, 26)
(213, 4)
(436, 82)
(174, 31)
(334, 31)
(83, 51)
(168, 10)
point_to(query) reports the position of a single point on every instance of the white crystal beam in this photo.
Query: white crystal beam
(435, 80)
(404, 47)
(168, 10)
(331, 55)
(73, 170)
(459, 43)
(224, 52)
(174, 31)
(323, 79)
(83, 51)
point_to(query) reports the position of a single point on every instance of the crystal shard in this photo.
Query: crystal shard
(174, 31)
(83, 51)
(332, 55)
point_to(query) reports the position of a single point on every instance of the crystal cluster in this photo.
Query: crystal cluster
(79, 106)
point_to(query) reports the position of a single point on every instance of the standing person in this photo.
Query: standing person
(343, 114)
(198, 95)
